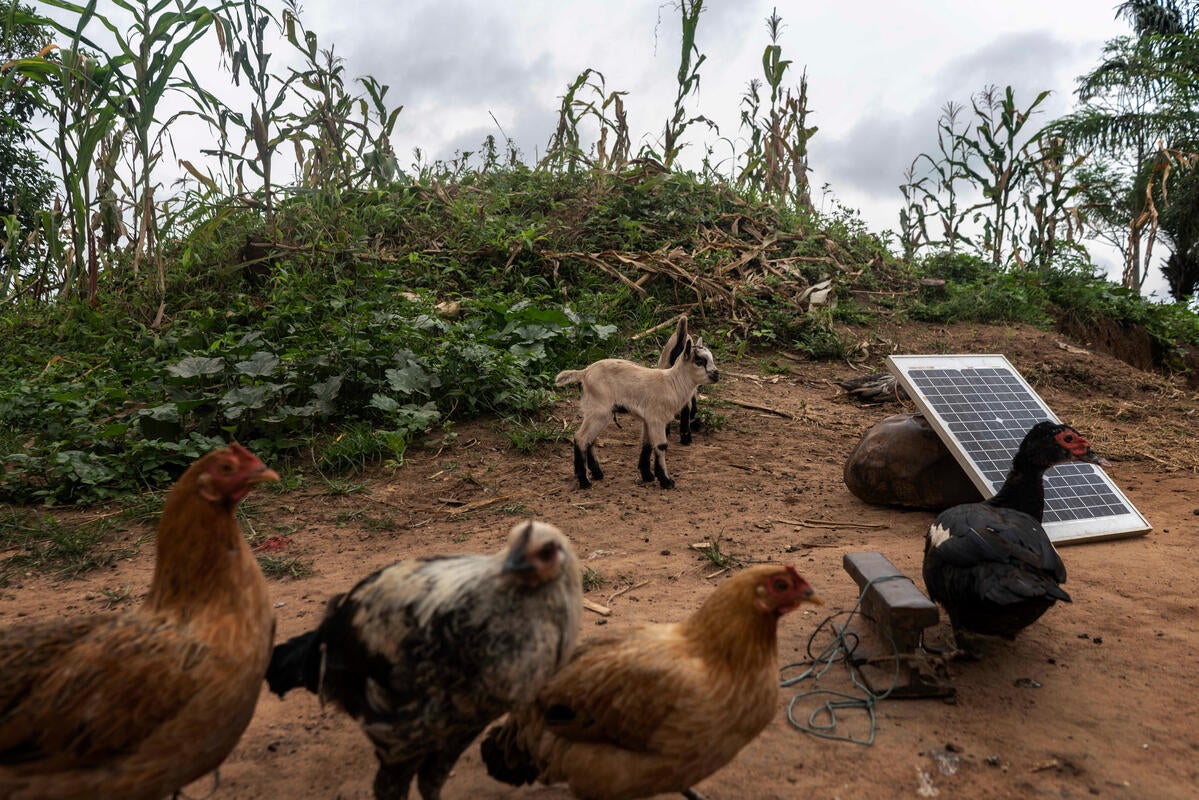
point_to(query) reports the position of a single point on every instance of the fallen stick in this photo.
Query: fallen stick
(822, 523)
(717, 572)
(618, 593)
(657, 327)
(477, 504)
(591, 605)
(758, 378)
(756, 407)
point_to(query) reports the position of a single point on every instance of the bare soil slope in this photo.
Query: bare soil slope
(1114, 711)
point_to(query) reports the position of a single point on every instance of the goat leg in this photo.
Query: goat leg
(685, 425)
(593, 463)
(647, 475)
(581, 467)
(660, 467)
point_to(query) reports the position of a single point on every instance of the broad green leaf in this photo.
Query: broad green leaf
(197, 366)
(260, 365)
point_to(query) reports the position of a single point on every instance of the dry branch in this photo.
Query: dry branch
(591, 605)
(823, 523)
(618, 593)
(756, 407)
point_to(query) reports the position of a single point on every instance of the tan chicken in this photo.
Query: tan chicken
(656, 708)
(137, 705)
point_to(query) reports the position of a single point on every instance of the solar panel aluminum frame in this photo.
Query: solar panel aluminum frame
(1130, 523)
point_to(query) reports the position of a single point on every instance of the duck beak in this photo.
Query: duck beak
(1091, 457)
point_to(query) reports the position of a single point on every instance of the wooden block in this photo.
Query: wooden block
(892, 601)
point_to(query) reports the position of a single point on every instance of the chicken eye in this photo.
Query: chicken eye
(1068, 438)
(547, 552)
(781, 585)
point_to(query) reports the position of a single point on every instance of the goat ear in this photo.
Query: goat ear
(687, 349)
(699, 343)
(680, 333)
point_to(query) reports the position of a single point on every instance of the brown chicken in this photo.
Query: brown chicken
(657, 708)
(139, 704)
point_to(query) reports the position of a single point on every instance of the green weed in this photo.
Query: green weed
(285, 567)
(592, 579)
(41, 543)
(718, 558)
(526, 436)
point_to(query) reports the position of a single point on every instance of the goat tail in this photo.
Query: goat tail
(505, 756)
(568, 376)
(296, 663)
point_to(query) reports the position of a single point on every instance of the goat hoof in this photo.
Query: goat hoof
(667, 484)
(684, 440)
(584, 484)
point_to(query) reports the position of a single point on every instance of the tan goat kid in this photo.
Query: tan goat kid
(612, 386)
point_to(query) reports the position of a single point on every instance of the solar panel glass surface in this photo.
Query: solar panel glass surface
(982, 408)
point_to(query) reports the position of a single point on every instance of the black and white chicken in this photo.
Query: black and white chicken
(991, 564)
(425, 653)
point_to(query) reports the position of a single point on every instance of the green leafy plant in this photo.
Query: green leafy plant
(592, 579)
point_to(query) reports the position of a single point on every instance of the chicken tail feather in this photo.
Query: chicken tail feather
(506, 758)
(295, 663)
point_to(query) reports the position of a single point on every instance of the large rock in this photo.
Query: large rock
(902, 462)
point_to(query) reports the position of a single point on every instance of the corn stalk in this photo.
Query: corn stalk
(81, 96)
(997, 162)
(776, 158)
(1049, 199)
(565, 148)
(688, 83)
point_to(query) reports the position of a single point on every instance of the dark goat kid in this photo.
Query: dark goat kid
(688, 414)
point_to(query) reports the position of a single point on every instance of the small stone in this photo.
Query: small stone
(665, 552)
(1027, 683)
(992, 761)
(1098, 640)
(950, 747)
(601, 621)
(1084, 636)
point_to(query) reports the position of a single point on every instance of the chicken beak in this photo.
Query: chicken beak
(518, 562)
(814, 600)
(264, 475)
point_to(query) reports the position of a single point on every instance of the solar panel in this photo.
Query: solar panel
(981, 408)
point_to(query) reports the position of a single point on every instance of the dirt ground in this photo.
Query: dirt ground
(1096, 699)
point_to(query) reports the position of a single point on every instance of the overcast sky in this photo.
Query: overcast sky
(878, 71)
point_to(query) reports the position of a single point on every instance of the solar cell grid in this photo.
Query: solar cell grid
(982, 408)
